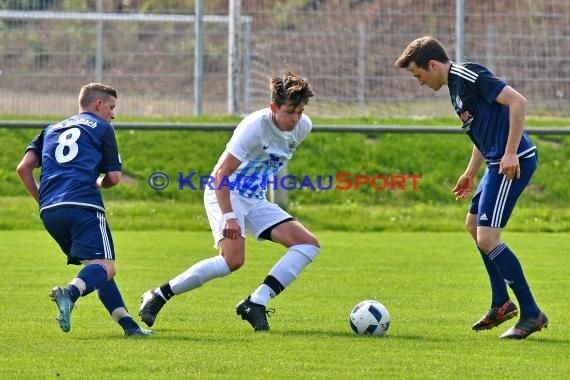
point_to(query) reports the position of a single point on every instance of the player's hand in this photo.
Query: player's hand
(509, 166)
(463, 187)
(231, 229)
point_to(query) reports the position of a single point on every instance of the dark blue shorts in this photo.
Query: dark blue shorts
(82, 234)
(496, 197)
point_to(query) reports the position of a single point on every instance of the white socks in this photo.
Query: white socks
(286, 270)
(199, 273)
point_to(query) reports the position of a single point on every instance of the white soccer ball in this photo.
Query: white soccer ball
(370, 317)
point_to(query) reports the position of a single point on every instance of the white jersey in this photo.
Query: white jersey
(263, 150)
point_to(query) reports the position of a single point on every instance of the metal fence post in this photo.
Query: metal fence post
(361, 66)
(99, 45)
(277, 194)
(198, 53)
(459, 30)
(233, 54)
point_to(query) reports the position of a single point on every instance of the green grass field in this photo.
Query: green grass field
(433, 284)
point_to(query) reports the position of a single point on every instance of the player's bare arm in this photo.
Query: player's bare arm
(25, 170)
(466, 182)
(228, 165)
(517, 104)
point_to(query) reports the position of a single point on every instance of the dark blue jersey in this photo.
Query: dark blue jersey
(73, 153)
(473, 90)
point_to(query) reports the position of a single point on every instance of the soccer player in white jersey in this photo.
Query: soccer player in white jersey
(260, 146)
(493, 116)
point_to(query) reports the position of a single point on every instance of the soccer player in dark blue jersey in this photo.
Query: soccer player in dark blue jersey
(493, 115)
(72, 155)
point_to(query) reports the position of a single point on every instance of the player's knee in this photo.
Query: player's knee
(313, 241)
(234, 262)
(487, 243)
(482, 246)
(308, 239)
(472, 231)
(111, 272)
(109, 266)
(471, 225)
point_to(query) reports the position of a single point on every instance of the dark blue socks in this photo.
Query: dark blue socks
(499, 290)
(510, 267)
(110, 296)
(94, 276)
(128, 324)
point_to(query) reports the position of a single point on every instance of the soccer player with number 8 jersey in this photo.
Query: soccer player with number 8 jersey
(72, 154)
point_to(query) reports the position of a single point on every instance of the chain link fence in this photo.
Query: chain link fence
(346, 48)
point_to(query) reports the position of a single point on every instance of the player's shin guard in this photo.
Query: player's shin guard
(285, 272)
(110, 296)
(499, 292)
(199, 273)
(510, 267)
(293, 262)
(94, 276)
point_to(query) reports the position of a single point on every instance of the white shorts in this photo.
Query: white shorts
(253, 215)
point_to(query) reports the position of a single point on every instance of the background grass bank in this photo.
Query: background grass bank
(437, 158)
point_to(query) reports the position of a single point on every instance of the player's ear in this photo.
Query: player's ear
(432, 65)
(273, 107)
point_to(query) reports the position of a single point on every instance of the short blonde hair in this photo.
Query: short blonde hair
(92, 92)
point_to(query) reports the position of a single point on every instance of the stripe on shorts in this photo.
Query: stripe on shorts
(103, 228)
(500, 202)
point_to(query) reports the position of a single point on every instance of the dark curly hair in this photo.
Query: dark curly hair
(290, 88)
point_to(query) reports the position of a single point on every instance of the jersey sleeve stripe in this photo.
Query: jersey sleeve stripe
(464, 73)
